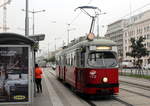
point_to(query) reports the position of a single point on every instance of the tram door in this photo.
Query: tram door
(80, 63)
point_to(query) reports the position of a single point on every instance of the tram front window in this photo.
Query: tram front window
(102, 59)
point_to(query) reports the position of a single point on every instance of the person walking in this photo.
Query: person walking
(38, 78)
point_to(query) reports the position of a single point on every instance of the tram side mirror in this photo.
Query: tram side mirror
(83, 49)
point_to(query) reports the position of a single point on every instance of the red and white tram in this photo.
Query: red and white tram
(91, 67)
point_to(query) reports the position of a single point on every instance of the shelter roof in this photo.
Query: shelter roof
(15, 39)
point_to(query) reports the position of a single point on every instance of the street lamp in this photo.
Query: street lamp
(33, 12)
(55, 41)
(68, 30)
(97, 15)
(27, 19)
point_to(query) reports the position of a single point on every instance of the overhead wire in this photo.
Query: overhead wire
(90, 1)
(79, 13)
(135, 10)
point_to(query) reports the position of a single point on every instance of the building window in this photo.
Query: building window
(148, 36)
(148, 28)
(144, 29)
(148, 44)
(145, 36)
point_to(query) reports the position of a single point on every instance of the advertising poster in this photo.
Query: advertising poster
(14, 74)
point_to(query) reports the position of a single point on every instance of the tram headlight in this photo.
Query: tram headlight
(105, 79)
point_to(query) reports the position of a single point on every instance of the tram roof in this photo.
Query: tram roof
(13, 38)
(98, 42)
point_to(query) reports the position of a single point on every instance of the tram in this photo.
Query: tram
(89, 66)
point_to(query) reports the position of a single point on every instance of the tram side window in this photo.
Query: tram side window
(77, 58)
(65, 60)
(71, 63)
(62, 60)
(57, 60)
(69, 59)
(74, 60)
(82, 59)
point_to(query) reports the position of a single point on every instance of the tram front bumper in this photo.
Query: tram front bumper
(105, 85)
(102, 89)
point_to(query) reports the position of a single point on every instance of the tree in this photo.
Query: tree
(138, 50)
(52, 59)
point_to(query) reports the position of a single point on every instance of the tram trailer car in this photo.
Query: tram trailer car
(90, 67)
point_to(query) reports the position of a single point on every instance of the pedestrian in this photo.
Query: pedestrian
(38, 78)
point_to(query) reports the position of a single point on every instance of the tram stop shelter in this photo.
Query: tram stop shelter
(16, 69)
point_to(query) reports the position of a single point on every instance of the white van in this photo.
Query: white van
(127, 65)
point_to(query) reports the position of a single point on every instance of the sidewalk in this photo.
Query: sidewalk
(42, 99)
(137, 81)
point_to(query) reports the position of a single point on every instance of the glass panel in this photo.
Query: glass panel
(102, 59)
(13, 74)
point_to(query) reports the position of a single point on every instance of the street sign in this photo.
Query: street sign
(38, 37)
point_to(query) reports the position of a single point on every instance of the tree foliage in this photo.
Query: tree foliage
(51, 59)
(138, 49)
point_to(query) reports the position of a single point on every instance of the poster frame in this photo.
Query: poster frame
(30, 75)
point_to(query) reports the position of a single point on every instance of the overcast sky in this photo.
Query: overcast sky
(59, 13)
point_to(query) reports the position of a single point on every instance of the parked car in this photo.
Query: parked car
(53, 66)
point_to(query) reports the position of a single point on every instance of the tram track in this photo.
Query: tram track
(135, 93)
(91, 103)
(136, 85)
(122, 101)
(147, 88)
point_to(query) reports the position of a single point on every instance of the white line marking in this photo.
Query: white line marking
(52, 93)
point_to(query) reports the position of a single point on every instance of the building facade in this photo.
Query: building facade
(115, 33)
(136, 26)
